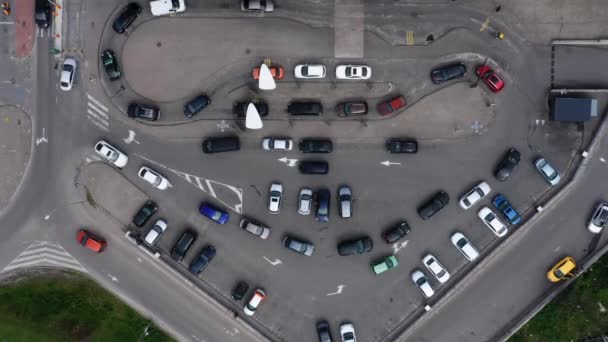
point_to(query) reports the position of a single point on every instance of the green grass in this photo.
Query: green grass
(574, 313)
(68, 307)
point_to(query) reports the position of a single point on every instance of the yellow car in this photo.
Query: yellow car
(563, 268)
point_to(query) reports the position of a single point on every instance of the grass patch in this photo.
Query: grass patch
(573, 314)
(68, 308)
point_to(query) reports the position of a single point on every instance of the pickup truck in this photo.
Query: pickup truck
(164, 7)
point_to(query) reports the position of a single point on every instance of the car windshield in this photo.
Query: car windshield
(364, 72)
(461, 243)
(216, 215)
(322, 210)
(68, 68)
(420, 281)
(602, 217)
(558, 273)
(348, 336)
(389, 263)
(305, 71)
(275, 194)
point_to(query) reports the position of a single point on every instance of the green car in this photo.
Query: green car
(384, 264)
(110, 64)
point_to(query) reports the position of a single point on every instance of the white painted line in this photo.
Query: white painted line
(97, 102)
(273, 263)
(97, 110)
(99, 118)
(31, 250)
(211, 191)
(29, 258)
(103, 128)
(43, 260)
(340, 288)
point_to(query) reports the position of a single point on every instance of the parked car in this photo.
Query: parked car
(436, 268)
(255, 228)
(464, 246)
(402, 145)
(299, 246)
(396, 232)
(144, 214)
(347, 332)
(167, 7)
(240, 108)
(345, 201)
(323, 331)
(506, 209)
(492, 221)
(547, 171)
(183, 244)
(309, 71)
(91, 241)
(141, 111)
(196, 105)
(221, 144)
(507, 165)
(475, 195)
(432, 206)
(305, 108)
(561, 270)
(43, 14)
(351, 108)
(313, 167)
(384, 264)
(392, 105)
(110, 65)
(202, 260)
(491, 79)
(322, 205)
(422, 283)
(155, 232)
(214, 214)
(257, 5)
(356, 246)
(353, 72)
(598, 219)
(126, 18)
(277, 72)
(274, 198)
(304, 201)
(316, 146)
(252, 305)
(277, 144)
(239, 291)
(448, 72)
(154, 178)
(68, 74)
(111, 154)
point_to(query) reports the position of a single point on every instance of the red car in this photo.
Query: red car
(90, 241)
(494, 82)
(392, 105)
(277, 72)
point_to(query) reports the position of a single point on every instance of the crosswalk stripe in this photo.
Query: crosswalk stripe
(43, 249)
(99, 118)
(105, 109)
(97, 110)
(44, 253)
(102, 127)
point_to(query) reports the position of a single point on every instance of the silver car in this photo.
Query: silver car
(548, 172)
(299, 246)
(256, 229)
(304, 201)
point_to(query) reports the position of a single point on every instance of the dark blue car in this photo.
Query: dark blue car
(501, 203)
(213, 213)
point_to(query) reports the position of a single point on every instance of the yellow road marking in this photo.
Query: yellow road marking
(485, 25)
(409, 38)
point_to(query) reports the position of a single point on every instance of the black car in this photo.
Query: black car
(145, 112)
(506, 166)
(240, 108)
(324, 331)
(402, 146)
(313, 167)
(305, 108)
(316, 146)
(108, 59)
(357, 246)
(126, 18)
(196, 105)
(239, 291)
(432, 206)
(221, 144)
(181, 247)
(396, 233)
(322, 205)
(144, 214)
(43, 13)
(448, 72)
(203, 259)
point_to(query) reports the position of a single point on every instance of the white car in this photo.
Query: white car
(309, 71)
(347, 332)
(475, 195)
(164, 7)
(254, 228)
(437, 269)
(257, 5)
(252, 305)
(68, 73)
(305, 201)
(111, 154)
(153, 177)
(547, 171)
(599, 218)
(492, 221)
(159, 227)
(353, 72)
(277, 144)
(274, 198)
(464, 246)
(422, 283)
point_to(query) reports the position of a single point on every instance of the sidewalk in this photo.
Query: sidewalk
(23, 15)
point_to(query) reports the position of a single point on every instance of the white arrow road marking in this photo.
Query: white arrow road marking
(399, 245)
(289, 162)
(340, 287)
(131, 138)
(389, 163)
(114, 279)
(41, 139)
(273, 263)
